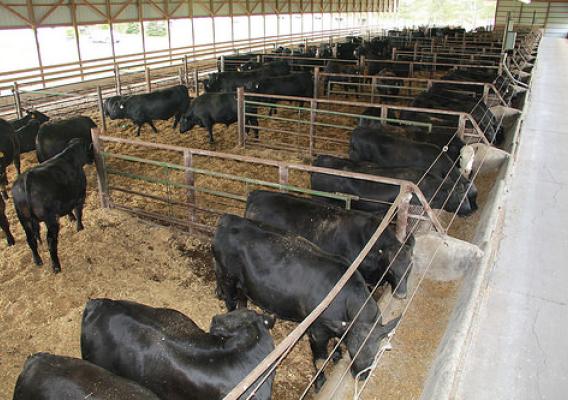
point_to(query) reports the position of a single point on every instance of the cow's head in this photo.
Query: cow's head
(463, 198)
(82, 151)
(367, 349)
(186, 121)
(399, 257)
(37, 116)
(241, 325)
(115, 107)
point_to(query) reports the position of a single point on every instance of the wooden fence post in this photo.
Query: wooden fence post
(283, 176)
(101, 108)
(102, 180)
(316, 82)
(373, 88)
(190, 182)
(184, 67)
(17, 100)
(148, 80)
(241, 115)
(196, 81)
(117, 79)
(312, 132)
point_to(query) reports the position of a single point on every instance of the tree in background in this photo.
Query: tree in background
(467, 13)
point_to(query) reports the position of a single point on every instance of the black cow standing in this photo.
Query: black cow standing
(50, 190)
(211, 108)
(9, 153)
(53, 137)
(337, 67)
(49, 377)
(4, 224)
(145, 108)
(289, 276)
(297, 84)
(166, 352)
(337, 231)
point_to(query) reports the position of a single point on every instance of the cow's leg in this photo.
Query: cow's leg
(79, 215)
(5, 225)
(209, 125)
(226, 289)
(318, 343)
(52, 236)
(31, 236)
(138, 130)
(176, 120)
(153, 127)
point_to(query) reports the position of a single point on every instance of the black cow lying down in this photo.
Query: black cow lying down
(211, 108)
(388, 150)
(437, 137)
(50, 190)
(49, 377)
(145, 108)
(337, 231)
(289, 276)
(4, 224)
(447, 197)
(169, 354)
(54, 137)
(9, 153)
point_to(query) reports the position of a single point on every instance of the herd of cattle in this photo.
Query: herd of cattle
(284, 255)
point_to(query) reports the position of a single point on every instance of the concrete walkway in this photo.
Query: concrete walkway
(520, 348)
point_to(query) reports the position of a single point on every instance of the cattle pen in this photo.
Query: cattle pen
(154, 202)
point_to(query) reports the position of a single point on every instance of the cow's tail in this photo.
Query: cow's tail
(33, 220)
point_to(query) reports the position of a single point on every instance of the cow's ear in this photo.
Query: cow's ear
(268, 321)
(337, 327)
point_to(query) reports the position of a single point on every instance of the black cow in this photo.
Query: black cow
(30, 115)
(372, 195)
(297, 84)
(9, 153)
(54, 137)
(50, 190)
(337, 231)
(145, 108)
(346, 51)
(168, 353)
(387, 150)
(289, 276)
(4, 224)
(275, 68)
(230, 81)
(211, 108)
(337, 67)
(27, 136)
(49, 377)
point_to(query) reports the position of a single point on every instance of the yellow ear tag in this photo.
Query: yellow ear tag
(1, 154)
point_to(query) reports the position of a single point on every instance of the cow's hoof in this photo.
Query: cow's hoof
(320, 381)
(80, 228)
(38, 261)
(56, 270)
(11, 241)
(5, 196)
(400, 294)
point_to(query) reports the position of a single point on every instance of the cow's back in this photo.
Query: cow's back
(53, 137)
(49, 377)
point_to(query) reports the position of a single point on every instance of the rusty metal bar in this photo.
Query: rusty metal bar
(17, 100)
(190, 182)
(117, 80)
(241, 116)
(101, 108)
(148, 80)
(102, 179)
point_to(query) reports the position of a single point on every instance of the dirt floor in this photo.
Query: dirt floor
(123, 257)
